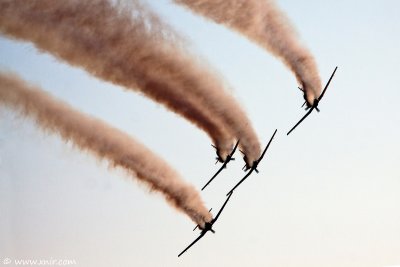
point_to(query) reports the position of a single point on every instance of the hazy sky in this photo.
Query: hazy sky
(327, 195)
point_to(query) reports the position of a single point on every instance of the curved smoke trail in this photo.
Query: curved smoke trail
(104, 142)
(131, 47)
(265, 24)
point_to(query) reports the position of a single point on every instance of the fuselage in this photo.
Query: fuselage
(207, 227)
(252, 166)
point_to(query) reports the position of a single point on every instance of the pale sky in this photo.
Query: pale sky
(327, 195)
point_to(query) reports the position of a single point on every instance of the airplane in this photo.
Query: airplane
(315, 104)
(228, 159)
(254, 166)
(197, 226)
(207, 227)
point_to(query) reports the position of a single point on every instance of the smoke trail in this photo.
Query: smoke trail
(104, 142)
(263, 22)
(131, 47)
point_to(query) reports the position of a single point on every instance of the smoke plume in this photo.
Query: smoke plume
(103, 141)
(131, 47)
(263, 22)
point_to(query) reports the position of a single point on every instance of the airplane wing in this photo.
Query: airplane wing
(314, 106)
(223, 206)
(302, 119)
(327, 84)
(266, 148)
(215, 175)
(234, 149)
(191, 244)
(222, 167)
(241, 181)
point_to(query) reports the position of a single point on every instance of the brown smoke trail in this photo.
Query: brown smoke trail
(131, 47)
(263, 22)
(104, 142)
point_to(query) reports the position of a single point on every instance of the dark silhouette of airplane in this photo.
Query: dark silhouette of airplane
(254, 165)
(197, 226)
(228, 159)
(207, 227)
(315, 103)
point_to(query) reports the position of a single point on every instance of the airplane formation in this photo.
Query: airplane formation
(249, 168)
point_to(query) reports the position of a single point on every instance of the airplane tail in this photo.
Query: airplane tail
(245, 168)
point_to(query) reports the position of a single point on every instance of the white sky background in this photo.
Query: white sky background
(327, 195)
